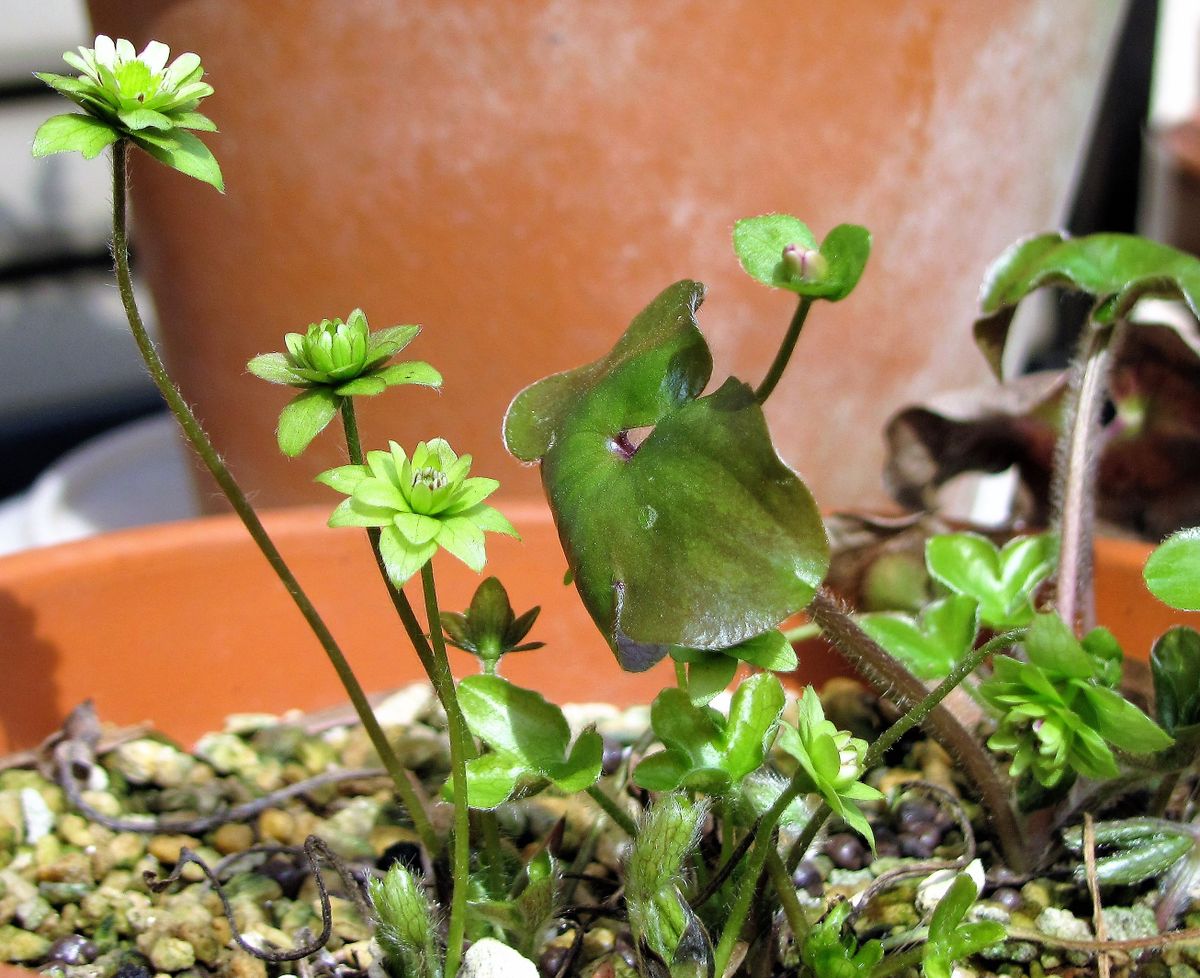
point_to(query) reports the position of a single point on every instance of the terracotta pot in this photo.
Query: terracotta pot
(523, 178)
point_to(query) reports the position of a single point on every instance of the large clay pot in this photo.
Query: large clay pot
(523, 178)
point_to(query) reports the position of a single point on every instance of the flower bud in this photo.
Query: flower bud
(805, 264)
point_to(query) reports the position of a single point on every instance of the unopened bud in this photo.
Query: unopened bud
(806, 264)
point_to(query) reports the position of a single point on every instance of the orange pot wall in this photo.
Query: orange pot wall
(522, 178)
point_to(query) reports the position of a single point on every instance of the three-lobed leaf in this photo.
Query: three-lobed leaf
(700, 536)
(1002, 580)
(951, 940)
(930, 644)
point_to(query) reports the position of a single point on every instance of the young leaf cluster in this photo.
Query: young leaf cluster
(1059, 713)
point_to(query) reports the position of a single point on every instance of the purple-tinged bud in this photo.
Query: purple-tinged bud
(805, 264)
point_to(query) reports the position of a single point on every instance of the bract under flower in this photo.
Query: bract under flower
(419, 505)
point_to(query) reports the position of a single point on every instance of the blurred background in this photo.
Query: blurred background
(1108, 142)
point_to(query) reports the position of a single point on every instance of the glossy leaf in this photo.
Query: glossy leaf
(709, 675)
(1118, 269)
(950, 940)
(1132, 850)
(1121, 723)
(760, 243)
(929, 645)
(1052, 647)
(1175, 666)
(1002, 580)
(1173, 571)
(700, 536)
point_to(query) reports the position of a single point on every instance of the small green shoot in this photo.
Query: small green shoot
(1003, 580)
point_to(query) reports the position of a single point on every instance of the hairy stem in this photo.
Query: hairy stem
(785, 889)
(207, 453)
(923, 706)
(460, 749)
(1075, 477)
(784, 354)
(764, 844)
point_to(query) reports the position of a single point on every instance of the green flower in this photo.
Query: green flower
(333, 360)
(134, 96)
(1058, 713)
(419, 505)
(490, 628)
(832, 761)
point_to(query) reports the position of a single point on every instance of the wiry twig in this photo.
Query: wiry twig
(1104, 963)
(314, 847)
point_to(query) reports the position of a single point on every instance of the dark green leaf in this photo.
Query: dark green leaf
(1173, 571)
(305, 417)
(1117, 269)
(71, 133)
(180, 150)
(1132, 850)
(702, 537)
(1106, 654)
(1175, 666)
(760, 242)
(490, 612)
(770, 650)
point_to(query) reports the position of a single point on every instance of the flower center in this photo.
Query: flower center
(433, 479)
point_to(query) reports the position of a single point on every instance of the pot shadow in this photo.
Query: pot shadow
(28, 689)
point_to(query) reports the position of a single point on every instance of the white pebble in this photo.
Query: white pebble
(39, 820)
(490, 958)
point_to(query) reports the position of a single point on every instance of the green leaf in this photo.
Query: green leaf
(1175, 666)
(492, 779)
(709, 675)
(932, 644)
(361, 387)
(193, 120)
(760, 242)
(180, 150)
(73, 133)
(770, 650)
(410, 372)
(1122, 724)
(1133, 850)
(1003, 581)
(1173, 571)
(582, 767)
(706, 751)
(513, 720)
(305, 417)
(1052, 646)
(702, 537)
(1118, 269)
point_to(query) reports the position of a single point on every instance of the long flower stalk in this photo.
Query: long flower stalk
(208, 454)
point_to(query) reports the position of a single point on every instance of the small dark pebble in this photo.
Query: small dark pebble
(846, 851)
(552, 961)
(920, 841)
(887, 845)
(807, 877)
(916, 811)
(407, 854)
(289, 874)
(131, 969)
(611, 758)
(1007, 897)
(72, 949)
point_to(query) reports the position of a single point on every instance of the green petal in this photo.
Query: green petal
(305, 418)
(489, 519)
(410, 372)
(464, 540)
(275, 368)
(344, 478)
(72, 132)
(351, 513)
(400, 558)
(470, 493)
(380, 492)
(180, 150)
(393, 339)
(361, 387)
(143, 118)
(416, 528)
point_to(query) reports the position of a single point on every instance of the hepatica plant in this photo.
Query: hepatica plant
(688, 537)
